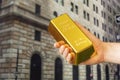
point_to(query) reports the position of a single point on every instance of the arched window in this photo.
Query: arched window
(98, 72)
(107, 72)
(35, 67)
(75, 72)
(88, 72)
(58, 69)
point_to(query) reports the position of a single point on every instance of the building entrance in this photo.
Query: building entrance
(35, 68)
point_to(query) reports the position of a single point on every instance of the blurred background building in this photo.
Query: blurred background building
(26, 47)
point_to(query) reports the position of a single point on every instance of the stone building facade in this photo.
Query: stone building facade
(26, 47)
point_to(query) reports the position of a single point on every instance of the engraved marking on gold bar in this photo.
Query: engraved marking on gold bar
(64, 28)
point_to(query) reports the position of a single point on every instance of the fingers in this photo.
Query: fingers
(66, 51)
(58, 44)
(71, 58)
(67, 54)
(61, 49)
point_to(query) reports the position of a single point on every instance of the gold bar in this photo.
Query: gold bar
(64, 28)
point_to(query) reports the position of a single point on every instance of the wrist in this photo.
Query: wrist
(105, 52)
(111, 52)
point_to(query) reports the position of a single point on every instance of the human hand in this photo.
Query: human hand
(66, 51)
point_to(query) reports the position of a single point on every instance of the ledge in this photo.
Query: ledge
(24, 16)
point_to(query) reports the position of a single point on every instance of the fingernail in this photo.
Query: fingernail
(65, 53)
(61, 49)
(69, 57)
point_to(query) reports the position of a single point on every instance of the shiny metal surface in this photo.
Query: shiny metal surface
(64, 28)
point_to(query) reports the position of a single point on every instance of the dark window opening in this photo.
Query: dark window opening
(84, 1)
(62, 2)
(96, 9)
(88, 17)
(37, 35)
(98, 36)
(106, 39)
(35, 67)
(87, 2)
(98, 72)
(89, 30)
(0, 1)
(107, 72)
(97, 22)
(95, 33)
(118, 72)
(88, 73)
(103, 38)
(103, 3)
(94, 21)
(104, 27)
(37, 9)
(75, 73)
(72, 7)
(58, 69)
(55, 14)
(76, 7)
(84, 13)
(93, 7)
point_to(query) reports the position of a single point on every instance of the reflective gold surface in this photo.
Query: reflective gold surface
(63, 28)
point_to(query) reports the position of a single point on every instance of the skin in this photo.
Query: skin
(104, 52)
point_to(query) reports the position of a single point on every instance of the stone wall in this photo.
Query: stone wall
(17, 36)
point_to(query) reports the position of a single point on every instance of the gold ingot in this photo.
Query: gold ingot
(64, 28)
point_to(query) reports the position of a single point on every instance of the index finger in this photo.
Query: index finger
(58, 44)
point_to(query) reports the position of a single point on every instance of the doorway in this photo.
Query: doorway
(35, 67)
